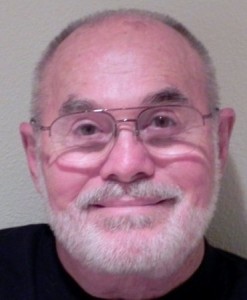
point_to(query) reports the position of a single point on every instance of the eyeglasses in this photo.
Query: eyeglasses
(86, 138)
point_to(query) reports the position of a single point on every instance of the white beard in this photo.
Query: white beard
(119, 245)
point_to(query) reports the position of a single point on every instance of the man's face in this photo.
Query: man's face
(130, 211)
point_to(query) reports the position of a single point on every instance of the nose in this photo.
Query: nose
(128, 160)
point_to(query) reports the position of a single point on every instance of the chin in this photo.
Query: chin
(132, 245)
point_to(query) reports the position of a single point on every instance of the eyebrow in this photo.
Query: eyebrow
(75, 104)
(166, 96)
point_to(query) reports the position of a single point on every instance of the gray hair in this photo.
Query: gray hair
(95, 19)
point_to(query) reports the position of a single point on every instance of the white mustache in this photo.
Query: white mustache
(140, 189)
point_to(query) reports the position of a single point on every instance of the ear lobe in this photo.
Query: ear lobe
(226, 122)
(30, 147)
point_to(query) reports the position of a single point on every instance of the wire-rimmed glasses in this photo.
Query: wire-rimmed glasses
(86, 138)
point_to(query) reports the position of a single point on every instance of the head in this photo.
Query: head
(138, 195)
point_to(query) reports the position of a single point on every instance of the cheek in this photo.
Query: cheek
(63, 187)
(196, 172)
(197, 182)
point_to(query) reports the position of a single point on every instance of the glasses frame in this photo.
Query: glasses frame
(40, 127)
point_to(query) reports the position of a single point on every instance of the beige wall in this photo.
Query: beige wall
(26, 27)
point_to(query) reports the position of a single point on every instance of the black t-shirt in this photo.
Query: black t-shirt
(30, 270)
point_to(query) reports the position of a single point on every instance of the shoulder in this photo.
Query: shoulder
(23, 234)
(21, 242)
(229, 272)
(221, 276)
(228, 260)
(25, 229)
(19, 256)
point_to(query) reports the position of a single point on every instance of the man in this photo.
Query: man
(127, 145)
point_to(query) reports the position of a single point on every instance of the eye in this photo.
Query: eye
(163, 122)
(85, 128)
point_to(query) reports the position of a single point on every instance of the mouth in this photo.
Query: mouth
(119, 216)
(133, 203)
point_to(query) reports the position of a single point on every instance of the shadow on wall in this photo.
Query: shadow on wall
(228, 228)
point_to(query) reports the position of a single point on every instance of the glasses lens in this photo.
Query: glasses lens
(85, 139)
(167, 130)
(82, 137)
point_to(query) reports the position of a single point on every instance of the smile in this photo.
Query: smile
(134, 204)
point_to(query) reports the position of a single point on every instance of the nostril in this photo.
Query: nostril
(126, 177)
(140, 175)
(112, 177)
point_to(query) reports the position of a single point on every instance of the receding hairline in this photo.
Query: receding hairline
(99, 18)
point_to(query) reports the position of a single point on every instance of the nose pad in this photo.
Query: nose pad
(123, 124)
(128, 159)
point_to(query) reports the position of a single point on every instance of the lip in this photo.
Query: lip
(127, 202)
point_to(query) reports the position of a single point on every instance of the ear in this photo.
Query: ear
(226, 122)
(30, 147)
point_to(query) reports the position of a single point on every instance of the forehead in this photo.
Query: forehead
(120, 61)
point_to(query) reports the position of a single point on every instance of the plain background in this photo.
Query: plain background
(25, 29)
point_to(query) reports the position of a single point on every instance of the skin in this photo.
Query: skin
(128, 59)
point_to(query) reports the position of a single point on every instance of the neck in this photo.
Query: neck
(134, 287)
